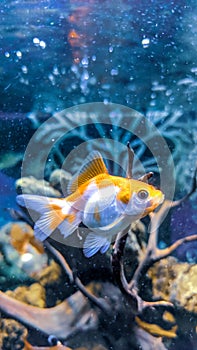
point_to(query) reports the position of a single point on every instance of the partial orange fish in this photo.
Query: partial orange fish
(104, 203)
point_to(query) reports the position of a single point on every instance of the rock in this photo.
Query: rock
(59, 179)
(21, 249)
(50, 274)
(175, 282)
(147, 341)
(12, 334)
(21, 235)
(33, 295)
(30, 185)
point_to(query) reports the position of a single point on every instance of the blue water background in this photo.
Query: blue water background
(56, 54)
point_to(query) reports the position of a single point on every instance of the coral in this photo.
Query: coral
(32, 295)
(69, 317)
(12, 335)
(50, 274)
(34, 186)
(175, 282)
(183, 144)
(107, 128)
(59, 179)
(95, 126)
(21, 250)
(21, 235)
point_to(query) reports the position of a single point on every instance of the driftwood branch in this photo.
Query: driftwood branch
(58, 320)
(100, 303)
(130, 161)
(153, 253)
(138, 305)
(146, 177)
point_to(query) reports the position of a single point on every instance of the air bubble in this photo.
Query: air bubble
(24, 69)
(114, 71)
(36, 41)
(145, 42)
(19, 54)
(42, 44)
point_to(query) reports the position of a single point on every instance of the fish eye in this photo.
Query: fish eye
(142, 194)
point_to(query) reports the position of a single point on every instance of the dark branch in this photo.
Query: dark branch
(193, 189)
(118, 269)
(117, 265)
(130, 161)
(101, 304)
(137, 304)
(163, 253)
(145, 177)
(61, 260)
(153, 254)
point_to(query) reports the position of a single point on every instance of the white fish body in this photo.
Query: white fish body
(104, 203)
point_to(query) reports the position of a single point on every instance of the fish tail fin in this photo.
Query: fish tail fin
(54, 213)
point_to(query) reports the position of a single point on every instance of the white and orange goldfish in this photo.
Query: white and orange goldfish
(104, 203)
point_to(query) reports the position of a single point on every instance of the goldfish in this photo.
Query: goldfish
(104, 203)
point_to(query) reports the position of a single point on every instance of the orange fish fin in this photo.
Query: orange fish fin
(53, 212)
(67, 224)
(93, 166)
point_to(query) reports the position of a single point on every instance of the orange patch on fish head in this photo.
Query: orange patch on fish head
(141, 194)
(124, 196)
(155, 198)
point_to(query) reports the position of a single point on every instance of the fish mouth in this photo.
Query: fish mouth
(157, 200)
(161, 198)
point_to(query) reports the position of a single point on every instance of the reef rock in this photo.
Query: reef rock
(12, 334)
(21, 250)
(50, 274)
(175, 282)
(59, 179)
(30, 185)
(33, 295)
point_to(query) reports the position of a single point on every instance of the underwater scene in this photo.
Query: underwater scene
(98, 175)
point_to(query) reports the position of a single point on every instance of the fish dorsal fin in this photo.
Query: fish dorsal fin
(94, 165)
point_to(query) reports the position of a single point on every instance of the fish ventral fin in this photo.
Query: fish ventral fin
(94, 165)
(93, 243)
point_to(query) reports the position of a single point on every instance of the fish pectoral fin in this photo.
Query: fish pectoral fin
(54, 213)
(93, 243)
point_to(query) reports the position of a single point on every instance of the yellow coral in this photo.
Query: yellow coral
(21, 235)
(50, 274)
(33, 295)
